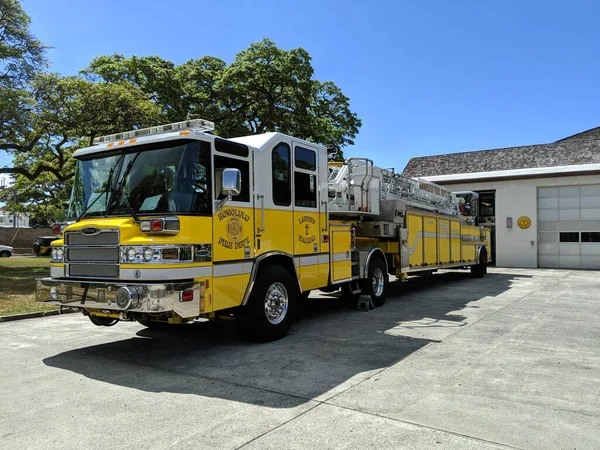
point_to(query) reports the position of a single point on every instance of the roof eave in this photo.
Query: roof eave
(515, 174)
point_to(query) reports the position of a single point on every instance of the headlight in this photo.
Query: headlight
(148, 254)
(57, 254)
(166, 254)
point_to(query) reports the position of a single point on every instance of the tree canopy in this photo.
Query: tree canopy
(265, 88)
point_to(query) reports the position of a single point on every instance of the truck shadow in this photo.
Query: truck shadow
(331, 349)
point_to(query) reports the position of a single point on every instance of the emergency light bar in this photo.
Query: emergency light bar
(194, 124)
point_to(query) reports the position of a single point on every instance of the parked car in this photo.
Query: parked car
(42, 245)
(5, 251)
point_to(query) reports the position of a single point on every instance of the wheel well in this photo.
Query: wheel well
(284, 261)
(375, 253)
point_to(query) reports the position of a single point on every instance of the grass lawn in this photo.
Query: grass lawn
(17, 284)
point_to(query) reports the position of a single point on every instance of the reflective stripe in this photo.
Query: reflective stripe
(227, 270)
(311, 260)
(323, 259)
(308, 260)
(337, 257)
(163, 273)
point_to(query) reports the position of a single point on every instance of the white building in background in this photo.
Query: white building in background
(542, 202)
(7, 218)
(5, 180)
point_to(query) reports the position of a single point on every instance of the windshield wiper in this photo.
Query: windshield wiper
(105, 192)
(121, 188)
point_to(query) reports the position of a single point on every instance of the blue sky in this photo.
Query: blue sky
(426, 77)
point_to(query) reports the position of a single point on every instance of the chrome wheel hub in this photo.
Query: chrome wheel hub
(378, 282)
(276, 303)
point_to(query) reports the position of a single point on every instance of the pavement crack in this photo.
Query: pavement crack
(280, 425)
(420, 425)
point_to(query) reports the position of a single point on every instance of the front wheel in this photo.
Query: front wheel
(5, 254)
(377, 282)
(269, 313)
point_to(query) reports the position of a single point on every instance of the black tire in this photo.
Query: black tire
(5, 254)
(252, 319)
(373, 288)
(305, 294)
(103, 321)
(479, 270)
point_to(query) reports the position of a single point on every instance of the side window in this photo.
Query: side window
(281, 175)
(305, 158)
(233, 148)
(221, 163)
(305, 190)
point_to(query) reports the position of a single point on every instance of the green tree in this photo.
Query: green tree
(22, 56)
(265, 88)
(67, 113)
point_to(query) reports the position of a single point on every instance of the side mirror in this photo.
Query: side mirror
(231, 182)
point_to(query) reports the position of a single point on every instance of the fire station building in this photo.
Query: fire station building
(542, 202)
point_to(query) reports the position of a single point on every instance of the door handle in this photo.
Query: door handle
(261, 197)
(323, 230)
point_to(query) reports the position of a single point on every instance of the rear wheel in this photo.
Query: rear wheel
(271, 308)
(376, 284)
(479, 270)
(5, 254)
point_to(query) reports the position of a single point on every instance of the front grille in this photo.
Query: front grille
(100, 246)
(94, 270)
(108, 237)
(100, 254)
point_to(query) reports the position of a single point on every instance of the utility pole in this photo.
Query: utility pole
(15, 209)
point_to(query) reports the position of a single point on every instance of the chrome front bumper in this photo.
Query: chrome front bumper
(143, 297)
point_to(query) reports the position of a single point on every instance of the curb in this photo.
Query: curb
(33, 315)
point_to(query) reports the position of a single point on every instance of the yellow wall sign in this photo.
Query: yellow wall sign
(524, 222)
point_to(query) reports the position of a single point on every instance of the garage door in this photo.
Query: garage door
(569, 227)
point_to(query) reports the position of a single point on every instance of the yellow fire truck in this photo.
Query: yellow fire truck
(172, 223)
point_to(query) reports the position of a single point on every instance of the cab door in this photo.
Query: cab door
(233, 226)
(273, 196)
(312, 264)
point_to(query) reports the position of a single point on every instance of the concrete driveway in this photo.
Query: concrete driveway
(511, 360)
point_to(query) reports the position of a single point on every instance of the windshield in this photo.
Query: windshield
(156, 180)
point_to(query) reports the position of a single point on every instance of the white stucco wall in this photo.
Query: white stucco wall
(514, 199)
